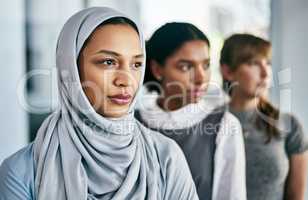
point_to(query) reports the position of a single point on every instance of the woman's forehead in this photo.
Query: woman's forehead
(121, 39)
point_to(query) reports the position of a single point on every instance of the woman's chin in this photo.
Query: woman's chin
(114, 113)
(194, 100)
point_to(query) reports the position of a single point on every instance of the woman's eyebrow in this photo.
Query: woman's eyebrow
(207, 60)
(113, 53)
(139, 56)
(184, 61)
(108, 52)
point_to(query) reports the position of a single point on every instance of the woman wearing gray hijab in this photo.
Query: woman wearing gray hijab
(91, 147)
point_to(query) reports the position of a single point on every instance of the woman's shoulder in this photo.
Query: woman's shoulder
(163, 145)
(289, 124)
(230, 127)
(292, 131)
(166, 149)
(230, 137)
(287, 119)
(21, 157)
(231, 119)
(17, 175)
(227, 121)
(173, 165)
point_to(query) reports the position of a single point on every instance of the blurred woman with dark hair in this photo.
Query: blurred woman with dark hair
(274, 142)
(178, 62)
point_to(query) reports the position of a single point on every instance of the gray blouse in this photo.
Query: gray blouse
(267, 164)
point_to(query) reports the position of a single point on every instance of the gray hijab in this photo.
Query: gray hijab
(78, 153)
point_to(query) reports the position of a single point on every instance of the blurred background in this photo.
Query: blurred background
(29, 31)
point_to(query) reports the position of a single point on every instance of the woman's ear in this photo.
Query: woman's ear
(226, 72)
(156, 69)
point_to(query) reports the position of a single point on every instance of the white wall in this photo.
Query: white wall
(129, 7)
(13, 120)
(43, 30)
(290, 43)
(44, 20)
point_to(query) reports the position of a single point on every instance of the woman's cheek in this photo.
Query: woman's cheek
(136, 79)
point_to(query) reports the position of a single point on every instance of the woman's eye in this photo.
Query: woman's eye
(137, 65)
(185, 67)
(107, 62)
(206, 66)
(253, 63)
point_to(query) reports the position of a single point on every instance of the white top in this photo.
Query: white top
(229, 159)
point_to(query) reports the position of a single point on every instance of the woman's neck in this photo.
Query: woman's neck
(239, 103)
(169, 104)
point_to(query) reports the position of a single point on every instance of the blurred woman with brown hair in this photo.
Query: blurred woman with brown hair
(275, 145)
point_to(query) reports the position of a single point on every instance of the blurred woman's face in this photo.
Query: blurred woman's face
(252, 79)
(110, 67)
(185, 74)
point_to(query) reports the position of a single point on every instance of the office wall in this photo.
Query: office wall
(289, 36)
(13, 119)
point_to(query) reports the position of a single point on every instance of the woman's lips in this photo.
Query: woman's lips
(197, 93)
(121, 99)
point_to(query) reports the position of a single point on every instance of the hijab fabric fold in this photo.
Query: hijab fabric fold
(78, 153)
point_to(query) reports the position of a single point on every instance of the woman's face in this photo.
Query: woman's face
(252, 79)
(110, 68)
(185, 74)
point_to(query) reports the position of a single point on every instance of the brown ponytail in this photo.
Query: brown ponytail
(267, 119)
(239, 49)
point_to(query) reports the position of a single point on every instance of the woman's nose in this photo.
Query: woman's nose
(200, 75)
(123, 78)
(265, 71)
